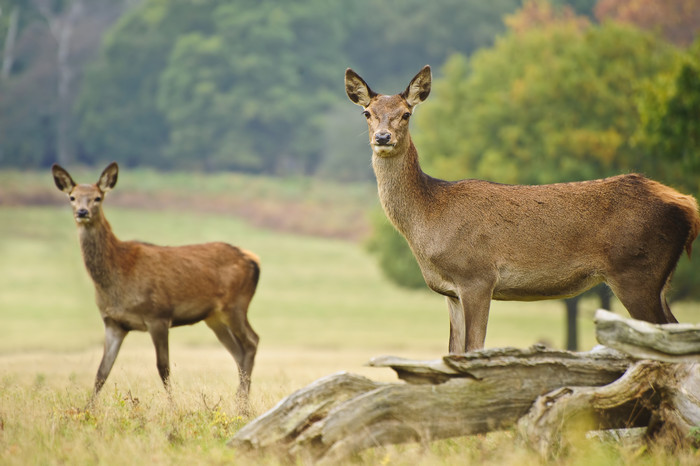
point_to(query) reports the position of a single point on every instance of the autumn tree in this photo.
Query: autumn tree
(677, 20)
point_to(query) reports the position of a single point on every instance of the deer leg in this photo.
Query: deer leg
(643, 300)
(458, 330)
(475, 299)
(242, 342)
(249, 341)
(159, 335)
(114, 336)
(670, 318)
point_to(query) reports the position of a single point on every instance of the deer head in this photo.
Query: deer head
(388, 116)
(86, 199)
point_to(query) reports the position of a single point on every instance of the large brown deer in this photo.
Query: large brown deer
(476, 240)
(140, 286)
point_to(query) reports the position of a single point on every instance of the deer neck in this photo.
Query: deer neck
(404, 190)
(99, 246)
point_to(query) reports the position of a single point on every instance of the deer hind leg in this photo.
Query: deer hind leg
(643, 296)
(670, 318)
(239, 338)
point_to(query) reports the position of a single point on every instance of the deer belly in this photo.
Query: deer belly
(189, 313)
(534, 285)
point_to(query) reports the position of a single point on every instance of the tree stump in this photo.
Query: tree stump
(540, 391)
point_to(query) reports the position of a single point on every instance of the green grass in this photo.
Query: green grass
(322, 306)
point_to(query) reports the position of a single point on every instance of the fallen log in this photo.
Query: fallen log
(296, 413)
(540, 391)
(458, 395)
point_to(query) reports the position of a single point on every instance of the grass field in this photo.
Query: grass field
(322, 306)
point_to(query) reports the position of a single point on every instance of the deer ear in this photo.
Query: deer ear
(108, 178)
(357, 89)
(63, 180)
(419, 87)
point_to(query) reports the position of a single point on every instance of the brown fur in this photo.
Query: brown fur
(476, 240)
(144, 287)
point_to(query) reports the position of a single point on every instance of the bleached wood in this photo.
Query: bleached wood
(458, 395)
(642, 340)
(547, 394)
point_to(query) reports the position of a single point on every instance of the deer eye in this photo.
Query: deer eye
(406, 115)
(366, 114)
(72, 198)
(98, 199)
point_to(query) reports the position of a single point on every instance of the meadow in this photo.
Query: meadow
(322, 306)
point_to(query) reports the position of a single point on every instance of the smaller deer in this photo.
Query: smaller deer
(144, 287)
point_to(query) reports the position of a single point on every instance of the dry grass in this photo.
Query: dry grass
(44, 421)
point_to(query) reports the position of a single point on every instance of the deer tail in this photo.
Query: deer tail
(688, 206)
(694, 218)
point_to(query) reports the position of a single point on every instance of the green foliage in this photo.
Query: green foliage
(554, 103)
(669, 132)
(255, 86)
(393, 253)
(117, 107)
(390, 40)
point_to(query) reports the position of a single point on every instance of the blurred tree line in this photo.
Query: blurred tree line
(244, 85)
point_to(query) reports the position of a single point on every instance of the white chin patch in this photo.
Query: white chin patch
(382, 150)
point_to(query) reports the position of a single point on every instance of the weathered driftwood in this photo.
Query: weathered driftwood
(541, 391)
(668, 342)
(458, 395)
(663, 397)
(296, 413)
(660, 395)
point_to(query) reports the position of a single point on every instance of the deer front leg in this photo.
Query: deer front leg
(114, 336)
(159, 335)
(476, 317)
(469, 316)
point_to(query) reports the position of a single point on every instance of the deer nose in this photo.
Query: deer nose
(382, 138)
(82, 213)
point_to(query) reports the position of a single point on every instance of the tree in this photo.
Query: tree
(670, 130)
(61, 18)
(677, 20)
(8, 53)
(391, 39)
(117, 106)
(549, 104)
(283, 61)
(253, 86)
(43, 60)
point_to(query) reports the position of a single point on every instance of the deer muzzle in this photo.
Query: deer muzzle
(382, 138)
